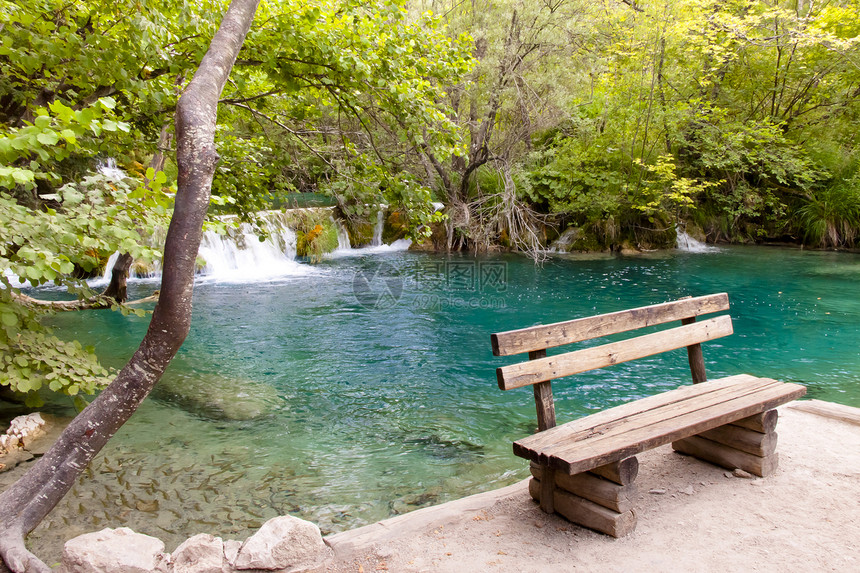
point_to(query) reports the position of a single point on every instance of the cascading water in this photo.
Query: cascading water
(564, 242)
(688, 244)
(110, 170)
(240, 255)
(343, 243)
(376, 241)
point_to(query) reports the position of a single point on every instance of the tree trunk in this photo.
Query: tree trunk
(35, 494)
(119, 278)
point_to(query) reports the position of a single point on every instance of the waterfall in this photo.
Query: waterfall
(688, 244)
(109, 169)
(241, 255)
(104, 280)
(376, 241)
(564, 242)
(343, 243)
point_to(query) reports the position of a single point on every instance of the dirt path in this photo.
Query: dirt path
(805, 517)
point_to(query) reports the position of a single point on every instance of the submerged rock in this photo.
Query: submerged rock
(218, 397)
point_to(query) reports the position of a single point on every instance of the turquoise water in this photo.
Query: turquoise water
(380, 386)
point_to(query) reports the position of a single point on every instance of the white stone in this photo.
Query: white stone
(202, 553)
(26, 425)
(8, 443)
(231, 550)
(114, 551)
(284, 542)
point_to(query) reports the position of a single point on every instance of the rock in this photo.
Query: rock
(22, 431)
(114, 551)
(9, 443)
(26, 425)
(202, 553)
(13, 458)
(688, 490)
(658, 491)
(739, 473)
(283, 542)
(231, 550)
(728, 474)
(218, 397)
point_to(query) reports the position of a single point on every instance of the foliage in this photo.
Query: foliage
(32, 358)
(87, 221)
(316, 234)
(830, 217)
(29, 154)
(355, 85)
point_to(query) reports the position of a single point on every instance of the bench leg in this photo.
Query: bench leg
(547, 489)
(748, 444)
(588, 499)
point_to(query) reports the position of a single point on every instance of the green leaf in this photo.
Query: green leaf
(48, 138)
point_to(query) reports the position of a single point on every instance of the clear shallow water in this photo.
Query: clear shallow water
(380, 381)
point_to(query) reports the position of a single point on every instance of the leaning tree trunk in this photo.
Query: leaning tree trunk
(35, 494)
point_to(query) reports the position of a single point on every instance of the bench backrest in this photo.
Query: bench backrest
(540, 370)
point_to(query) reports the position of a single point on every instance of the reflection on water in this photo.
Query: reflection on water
(372, 412)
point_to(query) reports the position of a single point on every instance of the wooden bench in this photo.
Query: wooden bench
(585, 469)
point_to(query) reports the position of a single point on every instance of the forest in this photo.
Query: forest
(607, 124)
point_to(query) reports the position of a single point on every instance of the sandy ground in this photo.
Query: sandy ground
(804, 517)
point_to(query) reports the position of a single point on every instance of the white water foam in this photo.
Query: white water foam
(376, 241)
(688, 244)
(110, 170)
(14, 279)
(240, 256)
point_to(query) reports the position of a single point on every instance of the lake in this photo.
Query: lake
(374, 381)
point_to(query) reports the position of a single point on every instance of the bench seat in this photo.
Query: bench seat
(623, 431)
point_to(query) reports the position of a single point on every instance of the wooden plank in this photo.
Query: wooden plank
(830, 410)
(608, 448)
(552, 367)
(589, 514)
(591, 487)
(657, 415)
(600, 422)
(764, 422)
(695, 357)
(660, 415)
(742, 439)
(570, 331)
(727, 457)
